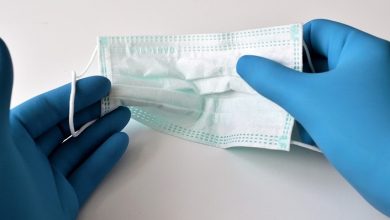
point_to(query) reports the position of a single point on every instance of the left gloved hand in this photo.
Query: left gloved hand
(40, 176)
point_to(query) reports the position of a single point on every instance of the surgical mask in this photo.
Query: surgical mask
(187, 85)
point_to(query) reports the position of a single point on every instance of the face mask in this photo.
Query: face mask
(187, 85)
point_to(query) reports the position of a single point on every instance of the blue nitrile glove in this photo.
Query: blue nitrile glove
(345, 108)
(41, 177)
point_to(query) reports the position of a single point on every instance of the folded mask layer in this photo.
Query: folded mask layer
(187, 85)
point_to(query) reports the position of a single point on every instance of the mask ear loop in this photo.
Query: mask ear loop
(307, 146)
(311, 66)
(73, 132)
(298, 143)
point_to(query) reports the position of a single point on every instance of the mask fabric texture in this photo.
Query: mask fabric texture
(187, 85)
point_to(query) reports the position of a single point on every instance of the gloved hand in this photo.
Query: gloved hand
(345, 108)
(41, 177)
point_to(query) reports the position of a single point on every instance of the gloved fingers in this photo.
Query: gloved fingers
(43, 112)
(326, 40)
(48, 141)
(6, 77)
(91, 172)
(52, 138)
(280, 84)
(75, 150)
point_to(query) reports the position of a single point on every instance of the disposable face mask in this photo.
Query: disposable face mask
(187, 85)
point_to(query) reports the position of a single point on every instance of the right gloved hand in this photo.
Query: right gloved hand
(345, 107)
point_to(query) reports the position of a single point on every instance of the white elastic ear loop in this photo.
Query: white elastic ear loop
(307, 146)
(308, 57)
(297, 143)
(72, 98)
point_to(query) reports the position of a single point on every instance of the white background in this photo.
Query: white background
(162, 177)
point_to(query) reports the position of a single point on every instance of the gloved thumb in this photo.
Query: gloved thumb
(282, 85)
(6, 78)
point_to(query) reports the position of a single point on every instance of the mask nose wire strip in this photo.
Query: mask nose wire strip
(72, 97)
